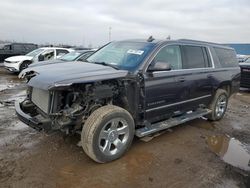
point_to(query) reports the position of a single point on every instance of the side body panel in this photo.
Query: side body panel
(170, 93)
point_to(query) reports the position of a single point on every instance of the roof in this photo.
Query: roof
(142, 40)
(185, 41)
(56, 48)
(189, 41)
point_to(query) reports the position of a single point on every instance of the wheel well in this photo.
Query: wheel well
(226, 87)
(25, 61)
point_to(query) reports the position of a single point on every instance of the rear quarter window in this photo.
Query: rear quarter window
(227, 57)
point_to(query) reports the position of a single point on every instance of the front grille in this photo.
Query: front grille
(245, 77)
(41, 99)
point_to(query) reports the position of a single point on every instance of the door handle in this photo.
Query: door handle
(182, 79)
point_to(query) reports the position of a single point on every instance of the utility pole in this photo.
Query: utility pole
(110, 33)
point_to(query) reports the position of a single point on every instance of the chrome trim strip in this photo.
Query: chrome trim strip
(177, 103)
(52, 102)
(204, 69)
(211, 57)
(181, 70)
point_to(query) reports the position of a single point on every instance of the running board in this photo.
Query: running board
(153, 128)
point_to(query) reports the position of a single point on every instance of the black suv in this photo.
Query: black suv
(127, 88)
(245, 73)
(12, 49)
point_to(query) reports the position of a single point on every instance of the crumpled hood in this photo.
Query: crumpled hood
(19, 58)
(65, 74)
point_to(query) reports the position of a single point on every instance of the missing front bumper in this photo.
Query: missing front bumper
(32, 121)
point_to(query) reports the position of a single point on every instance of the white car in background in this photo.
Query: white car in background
(20, 62)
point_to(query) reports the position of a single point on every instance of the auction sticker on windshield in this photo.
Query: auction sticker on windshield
(137, 52)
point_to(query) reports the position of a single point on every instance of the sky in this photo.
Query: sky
(87, 22)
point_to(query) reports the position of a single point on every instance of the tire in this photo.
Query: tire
(24, 65)
(218, 105)
(108, 133)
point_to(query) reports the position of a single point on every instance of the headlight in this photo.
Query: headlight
(12, 61)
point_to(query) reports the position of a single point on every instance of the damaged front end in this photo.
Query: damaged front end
(63, 100)
(48, 110)
(64, 110)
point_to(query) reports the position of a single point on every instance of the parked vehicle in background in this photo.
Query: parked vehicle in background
(18, 63)
(127, 88)
(245, 74)
(81, 48)
(13, 49)
(79, 55)
(242, 58)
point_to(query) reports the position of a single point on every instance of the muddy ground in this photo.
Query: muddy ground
(178, 158)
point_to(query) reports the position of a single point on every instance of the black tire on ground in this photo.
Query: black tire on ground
(24, 65)
(218, 105)
(107, 133)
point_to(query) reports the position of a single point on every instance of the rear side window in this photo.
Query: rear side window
(227, 57)
(195, 57)
(60, 52)
(18, 47)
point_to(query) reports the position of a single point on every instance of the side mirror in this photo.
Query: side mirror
(41, 57)
(159, 66)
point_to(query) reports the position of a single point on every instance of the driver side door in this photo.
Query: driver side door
(164, 89)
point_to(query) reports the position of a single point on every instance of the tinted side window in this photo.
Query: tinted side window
(48, 54)
(227, 57)
(170, 54)
(29, 47)
(60, 52)
(195, 57)
(7, 47)
(18, 47)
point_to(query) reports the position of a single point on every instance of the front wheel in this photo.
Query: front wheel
(24, 65)
(218, 105)
(107, 133)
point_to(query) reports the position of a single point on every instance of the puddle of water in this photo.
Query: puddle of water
(17, 126)
(7, 86)
(11, 100)
(230, 151)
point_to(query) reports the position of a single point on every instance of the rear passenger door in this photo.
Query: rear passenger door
(197, 75)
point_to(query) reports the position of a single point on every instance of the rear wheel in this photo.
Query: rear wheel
(108, 133)
(218, 105)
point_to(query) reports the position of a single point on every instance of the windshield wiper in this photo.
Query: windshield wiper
(106, 64)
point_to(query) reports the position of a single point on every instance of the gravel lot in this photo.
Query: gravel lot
(180, 157)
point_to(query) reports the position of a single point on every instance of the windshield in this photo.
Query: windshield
(124, 55)
(70, 56)
(35, 52)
